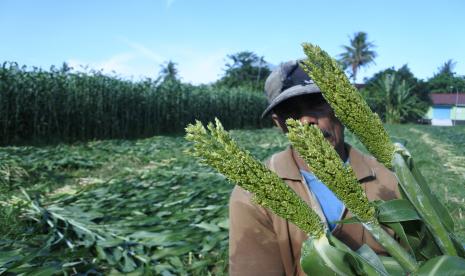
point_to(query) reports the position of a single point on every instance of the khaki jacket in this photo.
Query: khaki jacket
(262, 243)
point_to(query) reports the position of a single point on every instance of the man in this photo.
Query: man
(262, 243)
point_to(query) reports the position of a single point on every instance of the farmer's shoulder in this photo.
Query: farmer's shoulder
(379, 181)
(283, 164)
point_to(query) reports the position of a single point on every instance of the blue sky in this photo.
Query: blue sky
(133, 38)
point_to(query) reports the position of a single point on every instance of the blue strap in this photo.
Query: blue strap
(332, 207)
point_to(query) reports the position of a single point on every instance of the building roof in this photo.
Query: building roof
(360, 85)
(448, 98)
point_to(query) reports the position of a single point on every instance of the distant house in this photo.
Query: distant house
(448, 109)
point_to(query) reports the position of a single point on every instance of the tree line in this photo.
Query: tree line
(395, 94)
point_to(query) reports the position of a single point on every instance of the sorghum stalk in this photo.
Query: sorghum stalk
(353, 112)
(217, 149)
(325, 163)
(347, 103)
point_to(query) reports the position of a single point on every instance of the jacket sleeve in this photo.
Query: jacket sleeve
(253, 246)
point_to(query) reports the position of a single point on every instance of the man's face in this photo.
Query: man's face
(312, 109)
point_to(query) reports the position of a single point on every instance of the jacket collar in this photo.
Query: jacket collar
(287, 164)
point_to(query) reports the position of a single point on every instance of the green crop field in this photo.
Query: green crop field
(144, 205)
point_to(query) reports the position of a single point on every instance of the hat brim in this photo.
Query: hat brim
(297, 90)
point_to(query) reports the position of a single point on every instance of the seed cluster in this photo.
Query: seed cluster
(325, 163)
(217, 149)
(347, 103)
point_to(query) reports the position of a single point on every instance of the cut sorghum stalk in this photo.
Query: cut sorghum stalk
(217, 149)
(325, 163)
(347, 103)
(353, 112)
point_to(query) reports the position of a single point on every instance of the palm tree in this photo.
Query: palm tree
(169, 71)
(399, 101)
(358, 54)
(246, 69)
(447, 68)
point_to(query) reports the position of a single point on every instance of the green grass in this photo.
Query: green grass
(147, 198)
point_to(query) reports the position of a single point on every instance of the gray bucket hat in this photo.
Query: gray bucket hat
(288, 80)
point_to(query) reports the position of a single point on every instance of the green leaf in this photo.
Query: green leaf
(197, 265)
(109, 243)
(173, 251)
(319, 257)
(17, 266)
(359, 263)
(442, 265)
(176, 262)
(128, 264)
(207, 226)
(10, 256)
(44, 271)
(396, 210)
(428, 248)
(224, 224)
(422, 203)
(441, 210)
(101, 254)
(163, 269)
(459, 245)
(370, 256)
(157, 239)
(392, 266)
(71, 264)
(210, 242)
(400, 232)
(208, 208)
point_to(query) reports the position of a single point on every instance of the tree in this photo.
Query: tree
(169, 72)
(447, 68)
(393, 97)
(245, 69)
(445, 80)
(399, 100)
(358, 54)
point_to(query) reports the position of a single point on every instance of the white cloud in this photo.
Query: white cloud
(199, 67)
(118, 64)
(143, 50)
(140, 61)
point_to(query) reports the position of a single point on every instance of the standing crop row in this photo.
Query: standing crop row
(58, 105)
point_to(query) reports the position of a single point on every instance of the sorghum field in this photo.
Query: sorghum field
(145, 207)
